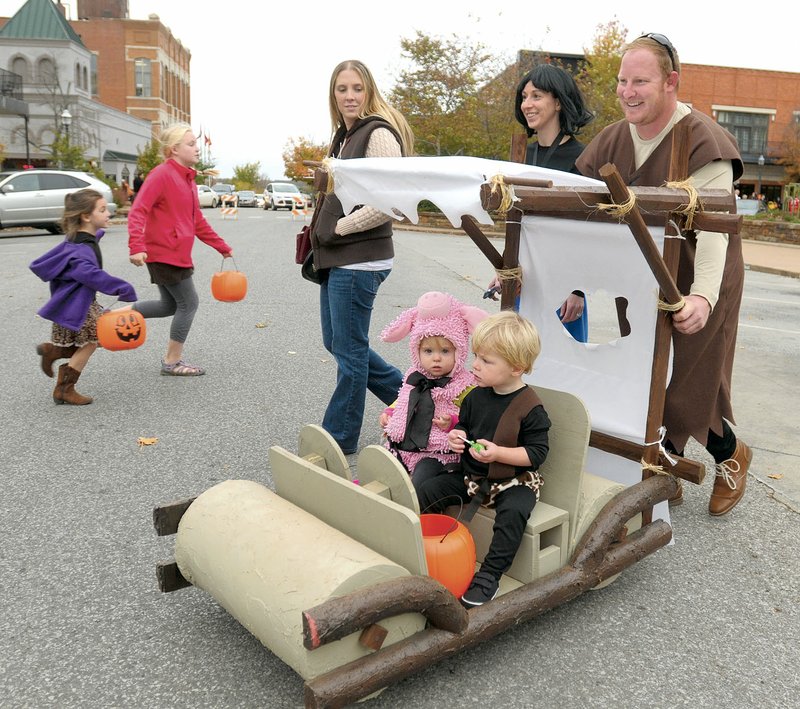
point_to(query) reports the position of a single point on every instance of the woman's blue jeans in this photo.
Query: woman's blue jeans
(346, 300)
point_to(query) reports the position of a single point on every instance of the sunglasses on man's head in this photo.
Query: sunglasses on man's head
(664, 42)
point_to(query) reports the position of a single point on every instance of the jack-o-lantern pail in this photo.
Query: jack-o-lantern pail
(229, 286)
(121, 330)
(449, 552)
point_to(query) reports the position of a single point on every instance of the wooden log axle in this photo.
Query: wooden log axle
(167, 517)
(338, 617)
(170, 577)
(595, 559)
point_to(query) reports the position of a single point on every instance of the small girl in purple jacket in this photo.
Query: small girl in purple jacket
(74, 270)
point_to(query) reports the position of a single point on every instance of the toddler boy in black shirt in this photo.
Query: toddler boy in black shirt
(502, 445)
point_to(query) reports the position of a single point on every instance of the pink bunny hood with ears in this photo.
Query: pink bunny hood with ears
(436, 315)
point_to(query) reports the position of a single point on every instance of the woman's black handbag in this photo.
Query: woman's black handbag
(304, 253)
(310, 272)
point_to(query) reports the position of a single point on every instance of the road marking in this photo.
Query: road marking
(770, 329)
(769, 300)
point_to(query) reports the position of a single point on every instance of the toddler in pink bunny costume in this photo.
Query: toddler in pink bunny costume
(426, 410)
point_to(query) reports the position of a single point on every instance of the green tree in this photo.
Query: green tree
(149, 157)
(295, 151)
(246, 176)
(67, 154)
(791, 153)
(452, 97)
(597, 77)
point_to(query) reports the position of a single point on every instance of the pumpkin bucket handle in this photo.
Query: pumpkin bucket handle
(108, 309)
(456, 519)
(222, 267)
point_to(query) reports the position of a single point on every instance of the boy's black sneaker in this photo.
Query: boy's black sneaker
(482, 588)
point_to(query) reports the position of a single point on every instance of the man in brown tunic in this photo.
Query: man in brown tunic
(711, 270)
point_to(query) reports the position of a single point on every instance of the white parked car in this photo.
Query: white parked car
(284, 195)
(35, 198)
(207, 196)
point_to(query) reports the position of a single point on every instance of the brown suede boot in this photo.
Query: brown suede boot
(50, 353)
(730, 481)
(65, 393)
(677, 498)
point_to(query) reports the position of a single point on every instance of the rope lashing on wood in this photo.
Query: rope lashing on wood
(655, 469)
(662, 435)
(507, 196)
(326, 165)
(509, 274)
(691, 207)
(671, 307)
(619, 211)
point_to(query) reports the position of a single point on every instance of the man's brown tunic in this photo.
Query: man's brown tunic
(699, 393)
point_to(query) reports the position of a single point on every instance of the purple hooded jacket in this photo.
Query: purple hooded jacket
(75, 277)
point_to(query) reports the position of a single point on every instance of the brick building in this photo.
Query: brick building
(139, 66)
(47, 91)
(761, 108)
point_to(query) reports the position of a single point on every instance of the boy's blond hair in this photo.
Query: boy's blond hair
(509, 336)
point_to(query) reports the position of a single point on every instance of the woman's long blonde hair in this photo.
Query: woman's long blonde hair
(374, 104)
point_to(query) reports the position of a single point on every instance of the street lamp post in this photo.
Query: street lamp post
(66, 122)
(761, 162)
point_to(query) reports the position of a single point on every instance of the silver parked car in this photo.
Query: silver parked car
(35, 198)
(247, 198)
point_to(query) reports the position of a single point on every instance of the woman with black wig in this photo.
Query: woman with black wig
(550, 105)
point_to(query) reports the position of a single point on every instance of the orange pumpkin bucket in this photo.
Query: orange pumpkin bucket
(449, 551)
(121, 330)
(229, 286)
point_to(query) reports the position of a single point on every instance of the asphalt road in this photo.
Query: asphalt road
(713, 620)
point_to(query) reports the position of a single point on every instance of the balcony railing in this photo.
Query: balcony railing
(10, 84)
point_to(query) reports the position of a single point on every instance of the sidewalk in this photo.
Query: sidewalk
(769, 257)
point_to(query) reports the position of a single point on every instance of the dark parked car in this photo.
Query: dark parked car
(224, 190)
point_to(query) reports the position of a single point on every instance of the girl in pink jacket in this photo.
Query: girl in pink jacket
(162, 225)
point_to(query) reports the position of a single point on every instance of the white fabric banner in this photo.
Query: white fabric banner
(559, 256)
(453, 183)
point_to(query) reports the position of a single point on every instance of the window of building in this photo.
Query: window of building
(749, 129)
(77, 76)
(93, 66)
(47, 71)
(85, 79)
(20, 66)
(142, 77)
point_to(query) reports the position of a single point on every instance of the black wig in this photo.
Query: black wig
(558, 82)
